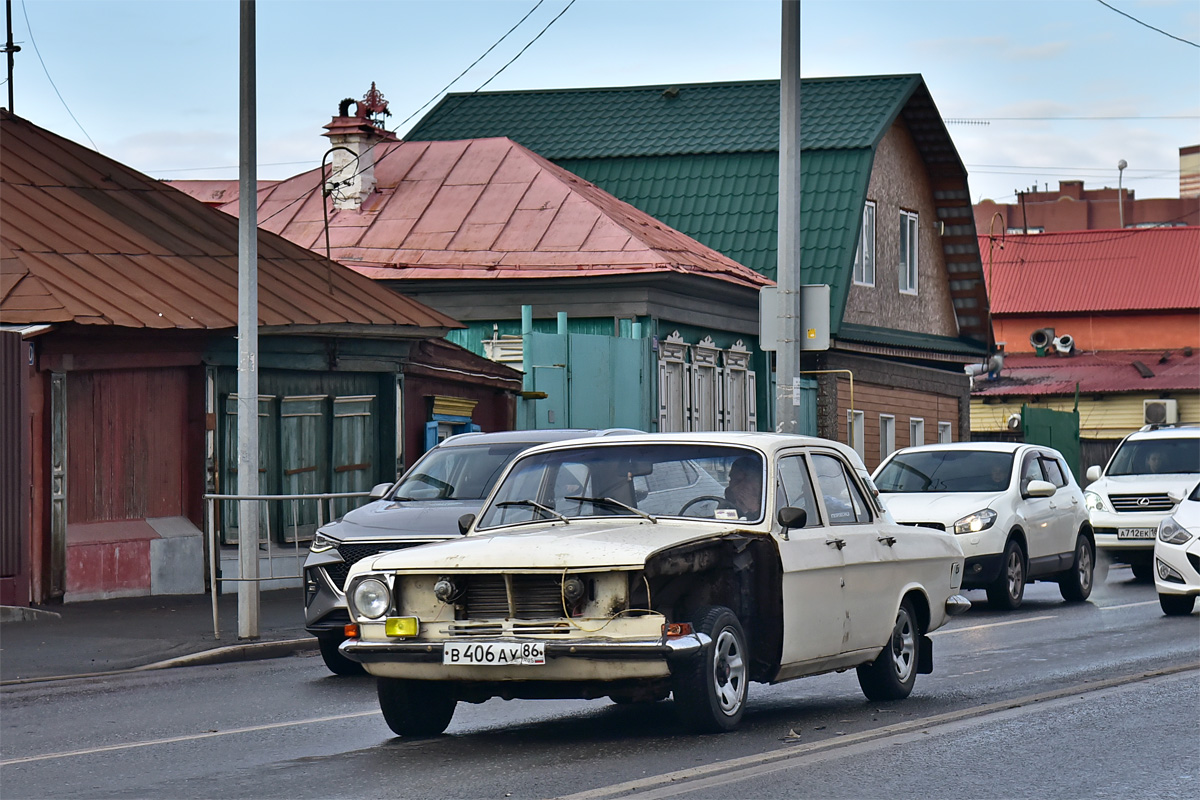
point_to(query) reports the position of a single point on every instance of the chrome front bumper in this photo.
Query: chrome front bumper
(957, 604)
(427, 652)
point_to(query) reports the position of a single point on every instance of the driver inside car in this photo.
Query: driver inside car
(744, 491)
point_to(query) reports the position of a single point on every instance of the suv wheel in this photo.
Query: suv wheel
(1076, 583)
(338, 664)
(1008, 590)
(1143, 571)
(710, 689)
(1176, 605)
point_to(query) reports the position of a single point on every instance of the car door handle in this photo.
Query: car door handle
(888, 540)
(838, 543)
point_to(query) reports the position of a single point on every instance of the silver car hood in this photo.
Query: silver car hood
(386, 519)
(581, 544)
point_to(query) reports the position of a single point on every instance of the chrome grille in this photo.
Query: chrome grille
(1135, 503)
(533, 597)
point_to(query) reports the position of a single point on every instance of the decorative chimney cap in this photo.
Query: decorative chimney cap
(368, 116)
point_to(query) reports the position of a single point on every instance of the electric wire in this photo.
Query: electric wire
(41, 61)
(1151, 27)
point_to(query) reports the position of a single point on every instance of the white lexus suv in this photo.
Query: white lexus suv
(1150, 472)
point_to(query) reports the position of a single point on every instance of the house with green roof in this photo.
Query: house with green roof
(886, 222)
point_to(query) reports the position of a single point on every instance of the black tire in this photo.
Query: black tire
(893, 673)
(338, 664)
(710, 689)
(1143, 571)
(1008, 590)
(1176, 605)
(1076, 584)
(415, 708)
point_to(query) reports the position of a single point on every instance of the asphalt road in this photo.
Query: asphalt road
(1055, 700)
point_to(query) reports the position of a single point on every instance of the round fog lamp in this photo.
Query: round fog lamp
(371, 598)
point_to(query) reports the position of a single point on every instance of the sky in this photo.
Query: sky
(1045, 90)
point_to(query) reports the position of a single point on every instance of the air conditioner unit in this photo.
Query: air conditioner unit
(1160, 412)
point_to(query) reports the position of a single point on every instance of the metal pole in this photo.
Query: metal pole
(1120, 192)
(10, 48)
(248, 605)
(787, 400)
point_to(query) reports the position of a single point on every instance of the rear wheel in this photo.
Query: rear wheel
(1008, 590)
(1176, 605)
(893, 673)
(338, 664)
(1076, 584)
(415, 708)
(710, 689)
(1142, 571)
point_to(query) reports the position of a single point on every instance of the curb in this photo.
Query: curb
(24, 614)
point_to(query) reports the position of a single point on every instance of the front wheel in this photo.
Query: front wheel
(710, 689)
(415, 708)
(1143, 571)
(1176, 605)
(1076, 584)
(338, 664)
(1008, 590)
(893, 673)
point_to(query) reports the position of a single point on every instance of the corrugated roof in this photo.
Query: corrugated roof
(1140, 269)
(1095, 373)
(704, 158)
(486, 208)
(89, 240)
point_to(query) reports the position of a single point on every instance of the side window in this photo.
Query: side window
(1031, 469)
(1054, 472)
(795, 488)
(843, 500)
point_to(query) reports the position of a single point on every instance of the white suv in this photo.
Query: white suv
(1015, 508)
(1150, 472)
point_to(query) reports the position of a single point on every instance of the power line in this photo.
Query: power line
(1151, 27)
(33, 41)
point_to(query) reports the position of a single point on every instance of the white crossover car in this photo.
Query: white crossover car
(1016, 510)
(1148, 474)
(637, 567)
(1177, 557)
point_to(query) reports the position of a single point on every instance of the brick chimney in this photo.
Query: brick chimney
(352, 177)
(1189, 171)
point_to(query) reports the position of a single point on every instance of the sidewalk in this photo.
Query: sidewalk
(76, 639)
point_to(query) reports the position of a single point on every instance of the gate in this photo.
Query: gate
(1057, 429)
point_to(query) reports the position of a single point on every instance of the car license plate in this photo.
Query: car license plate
(1136, 533)
(494, 654)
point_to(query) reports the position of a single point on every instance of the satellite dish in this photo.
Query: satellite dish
(1014, 422)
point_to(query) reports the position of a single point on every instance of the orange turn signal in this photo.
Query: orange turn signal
(674, 630)
(350, 631)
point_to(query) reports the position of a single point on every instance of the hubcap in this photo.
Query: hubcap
(904, 646)
(729, 672)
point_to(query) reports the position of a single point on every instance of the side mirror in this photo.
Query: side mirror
(465, 522)
(792, 517)
(379, 490)
(1093, 472)
(1040, 489)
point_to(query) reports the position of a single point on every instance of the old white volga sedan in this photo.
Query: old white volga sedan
(638, 567)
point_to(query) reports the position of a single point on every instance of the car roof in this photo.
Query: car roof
(530, 437)
(990, 447)
(1173, 432)
(767, 442)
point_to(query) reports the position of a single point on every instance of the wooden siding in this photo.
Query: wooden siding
(1112, 417)
(127, 454)
(903, 404)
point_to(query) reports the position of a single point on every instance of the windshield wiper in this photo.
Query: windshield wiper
(533, 504)
(611, 503)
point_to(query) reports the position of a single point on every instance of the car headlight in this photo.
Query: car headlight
(1094, 501)
(320, 543)
(371, 598)
(1172, 532)
(973, 523)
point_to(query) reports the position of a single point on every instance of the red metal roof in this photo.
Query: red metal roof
(1101, 270)
(89, 240)
(485, 208)
(1096, 373)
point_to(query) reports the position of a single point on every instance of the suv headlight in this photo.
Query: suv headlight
(320, 543)
(973, 523)
(1094, 501)
(1172, 532)
(371, 598)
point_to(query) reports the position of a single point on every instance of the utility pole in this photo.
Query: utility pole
(787, 395)
(10, 49)
(247, 375)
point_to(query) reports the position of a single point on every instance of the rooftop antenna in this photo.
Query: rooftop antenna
(1121, 165)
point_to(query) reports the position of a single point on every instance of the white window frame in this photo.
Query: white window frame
(864, 257)
(909, 248)
(855, 423)
(916, 431)
(887, 435)
(945, 433)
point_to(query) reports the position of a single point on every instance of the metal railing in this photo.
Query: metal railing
(324, 503)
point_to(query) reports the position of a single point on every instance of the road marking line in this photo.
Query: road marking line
(189, 738)
(1130, 605)
(994, 625)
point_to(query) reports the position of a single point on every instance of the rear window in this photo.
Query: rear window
(1156, 457)
(946, 471)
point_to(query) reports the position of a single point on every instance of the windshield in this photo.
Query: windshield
(465, 472)
(643, 480)
(947, 471)
(1156, 457)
